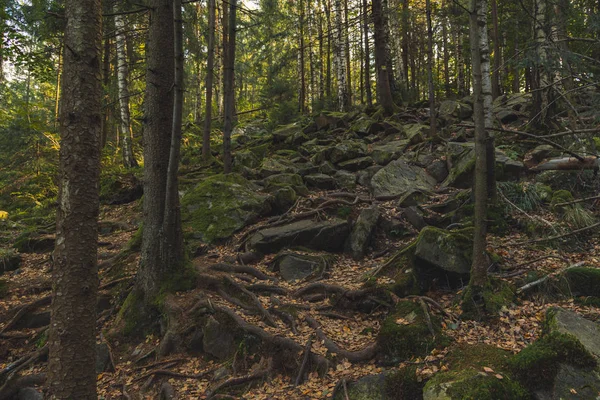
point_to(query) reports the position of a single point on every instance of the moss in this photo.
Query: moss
(560, 196)
(400, 268)
(403, 384)
(466, 378)
(131, 315)
(344, 212)
(481, 302)
(584, 281)
(405, 334)
(135, 242)
(221, 205)
(538, 363)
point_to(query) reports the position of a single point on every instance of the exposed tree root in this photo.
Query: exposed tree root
(264, 288)
(275, 344)
(305, 361)
(242, 269)
(260, 373)
(14, 383)
(287, 318)
(353, 356)
(221, 283)
(166, 392)
(24, 362)
(24, 309)
(345, 298)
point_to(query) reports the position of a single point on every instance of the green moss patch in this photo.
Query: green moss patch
(405, 334)
(220, 206)
(481, 302)
(538, 363)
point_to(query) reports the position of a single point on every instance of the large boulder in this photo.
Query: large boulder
(276, 165)
(294, 266)
(282, 133)
(398, 178)
(345, 180)
(362, 232)
(10, 260)
(563, 363)
(324, 235)
(389, 385)
(218, 340)
(451, 251)
(416, 133)
(222, 205)
(383, 153)
(320, 181)
(347, 150)
(356, 164)
(294, 181)
(455, 110)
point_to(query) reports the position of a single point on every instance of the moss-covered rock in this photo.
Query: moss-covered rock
(584, 281)
(560, 196)
(10, 260)
(405, 334)
(398, 178)
(451, 251)
(482, 302)
(384, 153)
(295, 181)
(34, 242)
(467, 379)
(390, 385)
(276, 165)
(362, 231)
(221, 205)
(294, 266)
(282, 199)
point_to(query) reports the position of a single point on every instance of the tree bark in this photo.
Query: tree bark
(229, 92)
(384, 92)
(158, 125)
(432, 109)
(129, 160)
(210, 70)
(479, 265)
(367, 67)
(496, 91)
(72, 338)
(339, 58)
(301, 72)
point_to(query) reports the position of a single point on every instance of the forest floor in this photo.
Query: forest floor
(137, 373)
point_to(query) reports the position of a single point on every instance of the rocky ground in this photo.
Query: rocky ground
(331, 265)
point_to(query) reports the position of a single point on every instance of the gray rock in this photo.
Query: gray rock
(438, 169)
(345, 180)
(246, 159)
(282, 180)
(414, 216)
(293, 266)
(452, 109)
(416, 133)
(362, 232)
(282, 199)
(103, 362)
(325, 235)
(327, 168)
(221, 205)
(369, 387)
(506, 116)
(364, 177)
(356, 164)
(450, 251)
(276, 165)
(382, 154)
(398, 178)
(347, 150)
(282, 133)
(29, 394)
(10, 260)
(320, 181)
(586, 384)
(584, 330)
(218, 340)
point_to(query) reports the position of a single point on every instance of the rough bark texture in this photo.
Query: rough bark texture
(367, 67)
(384, 92)
(158, 123)
(496, 89)
(479, 266)
(339, 58)
(72, 340)
(228, 87)
(210, 70)
(430, 63)
(541, 84)
(129, 160)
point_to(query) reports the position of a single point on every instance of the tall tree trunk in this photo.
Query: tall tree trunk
(541, 81)
(405, 42)
(432, 109)
(516, 83)
(129, 160)
(347, 54)
(105, 82)
(210, 70)
(172, 244)
(321, 39)
(396, 41)
(158, 125)
(229, 92)
(460, 63)
(367, 68)
(496, 91)
(446, 55)
(330, 47)
(339, 58)
(72, 337)
(224, 52)
(473, 298)
(384, 93)
(301, 72)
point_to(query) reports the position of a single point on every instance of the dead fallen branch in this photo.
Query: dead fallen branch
(353, 356)
(568, 203)
(546, 277)
(548, 239)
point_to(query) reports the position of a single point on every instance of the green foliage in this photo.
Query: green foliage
(482, 302)
(344, 211)
(525, 195)
(577, 216)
